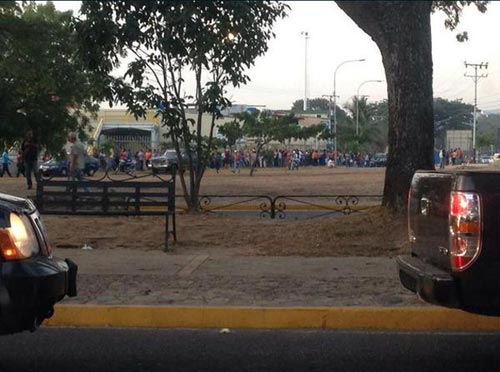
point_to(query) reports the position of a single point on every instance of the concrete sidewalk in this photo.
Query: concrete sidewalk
(125, 288)
(127, 277)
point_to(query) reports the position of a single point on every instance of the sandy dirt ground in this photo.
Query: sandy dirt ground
(373, 233)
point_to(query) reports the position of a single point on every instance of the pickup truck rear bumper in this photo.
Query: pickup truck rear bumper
(432, 284)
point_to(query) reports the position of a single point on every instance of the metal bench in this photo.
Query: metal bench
(110, 197)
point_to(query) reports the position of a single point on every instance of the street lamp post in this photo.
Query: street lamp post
(335, 98)
(357, 101)
(306, 37)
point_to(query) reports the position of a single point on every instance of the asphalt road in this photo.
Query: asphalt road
(92, 349)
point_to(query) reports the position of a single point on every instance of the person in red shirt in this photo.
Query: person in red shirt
(20, 163)
(147, 157)
(237, 162)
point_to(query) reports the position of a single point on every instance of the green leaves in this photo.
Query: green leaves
(232, 132)
(170, 38)
(453, 12)
(43, 85)
(265, 127)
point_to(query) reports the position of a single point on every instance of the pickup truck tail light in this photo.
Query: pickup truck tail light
(465, 229)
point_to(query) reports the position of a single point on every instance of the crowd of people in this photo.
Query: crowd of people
(451, 157)
(288, 158)
(237, 159)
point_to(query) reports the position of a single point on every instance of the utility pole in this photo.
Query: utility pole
(329, 96)
(306, 37)
(475, 77)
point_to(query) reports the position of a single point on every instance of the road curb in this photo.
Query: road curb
(374, 318)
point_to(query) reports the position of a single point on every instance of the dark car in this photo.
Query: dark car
(168, 162)
(378, 160)
(31, 279)
(54, 167)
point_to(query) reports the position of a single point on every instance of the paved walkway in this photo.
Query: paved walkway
(129, 288)
(127, 277)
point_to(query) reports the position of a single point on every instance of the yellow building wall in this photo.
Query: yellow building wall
(122, 116)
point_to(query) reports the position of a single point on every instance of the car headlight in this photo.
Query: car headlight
(17, 238)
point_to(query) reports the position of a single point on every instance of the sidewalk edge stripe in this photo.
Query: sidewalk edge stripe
(380, 318)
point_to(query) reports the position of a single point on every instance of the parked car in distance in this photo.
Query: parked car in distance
(91, 165)
(168, 162)
(31, 279)
(378, 160)
(485, 159)
(54, 167)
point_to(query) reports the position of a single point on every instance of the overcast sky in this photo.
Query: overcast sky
(277, 79)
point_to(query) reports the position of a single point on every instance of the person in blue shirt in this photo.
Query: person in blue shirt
(5, 162)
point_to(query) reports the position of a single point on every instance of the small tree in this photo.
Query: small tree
(265, 127)
(214, 41)
(232, 132)
(314, 105)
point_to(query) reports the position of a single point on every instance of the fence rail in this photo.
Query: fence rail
(282, 206)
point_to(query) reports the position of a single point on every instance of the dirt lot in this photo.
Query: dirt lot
(373, 233)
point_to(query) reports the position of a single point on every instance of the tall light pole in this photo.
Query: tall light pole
(306, 37)
(357, 101)
(335, 97)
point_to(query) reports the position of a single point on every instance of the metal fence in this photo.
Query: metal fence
(130, 142)
(285, 206)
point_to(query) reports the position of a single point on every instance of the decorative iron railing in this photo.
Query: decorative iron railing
(283, 206)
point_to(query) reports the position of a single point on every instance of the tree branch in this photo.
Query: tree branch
(148, 66)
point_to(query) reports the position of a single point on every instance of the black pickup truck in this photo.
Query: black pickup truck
(454, 234)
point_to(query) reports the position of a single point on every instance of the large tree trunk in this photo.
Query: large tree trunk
(402, 31)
